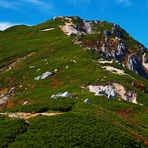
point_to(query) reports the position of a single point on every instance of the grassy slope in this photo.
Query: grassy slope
(115, 123)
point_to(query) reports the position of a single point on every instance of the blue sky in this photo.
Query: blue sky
(131, 15)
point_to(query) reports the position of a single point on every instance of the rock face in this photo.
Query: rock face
(117, 53)
(88, 27)
(100, 90)
(145, 61)
(69, 29)
(85, 27)
(112, 91)
(112, 44)
(135, 64)
(131, 96)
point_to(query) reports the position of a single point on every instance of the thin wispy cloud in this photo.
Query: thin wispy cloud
(5, 25)
(9, 4)
(124, 2)
(41, 4)
(22, 5)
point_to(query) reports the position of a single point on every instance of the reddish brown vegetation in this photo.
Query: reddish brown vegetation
(33, 86)
(138, 85)
(55, 83)
(10, 104)
(10, 81)
(146, 142)
(3, 91)
(126, 113)
(74, 81)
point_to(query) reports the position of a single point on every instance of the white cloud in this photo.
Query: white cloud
(124, 2)
(9, 4)
(5, 25)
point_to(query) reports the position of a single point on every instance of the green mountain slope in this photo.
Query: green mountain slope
(51, 68)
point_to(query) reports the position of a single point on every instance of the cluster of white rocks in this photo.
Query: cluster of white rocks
(113, 90)
(5, 96)
(65, 94)
(43, 76)
(100, 90)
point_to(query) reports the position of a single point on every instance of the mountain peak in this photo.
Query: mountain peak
(110, 41)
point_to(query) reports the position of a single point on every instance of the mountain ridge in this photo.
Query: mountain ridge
(93, 74)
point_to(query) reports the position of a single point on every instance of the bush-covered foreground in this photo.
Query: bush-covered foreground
(73, 130)
(64, 105)
(9, 129)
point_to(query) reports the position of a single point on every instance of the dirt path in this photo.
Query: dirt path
(28, 115)
(13, 64)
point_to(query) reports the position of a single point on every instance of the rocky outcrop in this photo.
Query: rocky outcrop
(65, 94)
(70, 28)
(134, 63)
(5, 97)
(100, 90)
(113, 90)
(117, 54)
(111, 45)
(88, 27)
(145, 61)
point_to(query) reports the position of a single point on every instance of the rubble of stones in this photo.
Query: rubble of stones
(5, 96)
(113, 91)
(59, 95)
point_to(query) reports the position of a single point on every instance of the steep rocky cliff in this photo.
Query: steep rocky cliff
(110, 41)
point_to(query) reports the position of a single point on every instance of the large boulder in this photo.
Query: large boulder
(65, 94)
(46, 74)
